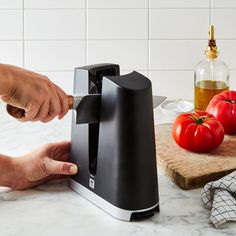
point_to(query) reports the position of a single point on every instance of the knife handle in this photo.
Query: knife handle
(70, 101)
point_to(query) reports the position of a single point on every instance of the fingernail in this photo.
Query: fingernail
(73, 169)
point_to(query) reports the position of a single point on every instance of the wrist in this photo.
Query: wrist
(7, 171)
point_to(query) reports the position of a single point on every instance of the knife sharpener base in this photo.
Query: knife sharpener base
(121, 214)
(115, 151)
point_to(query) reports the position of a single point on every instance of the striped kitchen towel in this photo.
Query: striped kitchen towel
(220, 197)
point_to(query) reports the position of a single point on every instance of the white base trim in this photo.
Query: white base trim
(103, 204)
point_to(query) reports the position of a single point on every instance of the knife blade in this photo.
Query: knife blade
(75, 100)
(157, 100)
(87, 107)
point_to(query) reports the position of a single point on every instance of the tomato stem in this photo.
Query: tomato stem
(198, 120)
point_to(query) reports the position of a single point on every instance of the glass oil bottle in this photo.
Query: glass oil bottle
(211, 76)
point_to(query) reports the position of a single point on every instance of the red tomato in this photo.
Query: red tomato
(223, 107)
(198, 131)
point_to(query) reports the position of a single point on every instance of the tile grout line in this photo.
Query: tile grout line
(86, 32)
(23, 29)
(114, 8)
(120, 8)
(128, 70)
(210, 8)
(161, 70)
(154, 39)
(148, 41)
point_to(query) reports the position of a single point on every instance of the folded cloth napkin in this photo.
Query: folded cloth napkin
(220, 197)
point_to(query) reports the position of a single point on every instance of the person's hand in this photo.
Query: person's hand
(33, 95)
(45, 163)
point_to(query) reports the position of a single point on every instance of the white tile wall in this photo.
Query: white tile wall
(227, 51)
(53, 4)
(54, 24)
(224, 4)
(63, 79)
(224, 20)
(143, 72)
(180, 3)
(54, 55)
(11, 25)
(129, 54)
(11, 52)
(175, 54)
(163, 39)
(117, 4)
(12, 4)
(170, 83)
(117, 24)
(178, 23)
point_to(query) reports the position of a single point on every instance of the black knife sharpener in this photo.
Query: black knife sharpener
(116, 154)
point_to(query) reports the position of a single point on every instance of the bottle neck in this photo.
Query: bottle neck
(211, 59)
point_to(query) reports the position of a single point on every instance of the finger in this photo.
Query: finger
(54, 150)
(43, 111)
(30, 113)
(51, 115)
(63, 147)
(54, 107)
(52, 167)
(64, 102)
(62, 157)
(56, 103)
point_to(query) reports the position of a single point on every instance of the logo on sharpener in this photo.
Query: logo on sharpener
(92, 183)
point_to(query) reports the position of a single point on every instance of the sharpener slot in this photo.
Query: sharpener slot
(96, 78)
(95, 87)
(93, 147)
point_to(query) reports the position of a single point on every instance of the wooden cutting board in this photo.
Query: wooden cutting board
(192, 170)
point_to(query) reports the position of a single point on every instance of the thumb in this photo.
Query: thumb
(54, 167)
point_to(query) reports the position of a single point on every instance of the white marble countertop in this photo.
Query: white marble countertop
(54, 209)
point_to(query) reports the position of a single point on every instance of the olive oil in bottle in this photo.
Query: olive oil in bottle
(205, 91)
(211, 76)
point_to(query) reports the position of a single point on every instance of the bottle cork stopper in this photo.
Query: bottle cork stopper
(211, 50)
